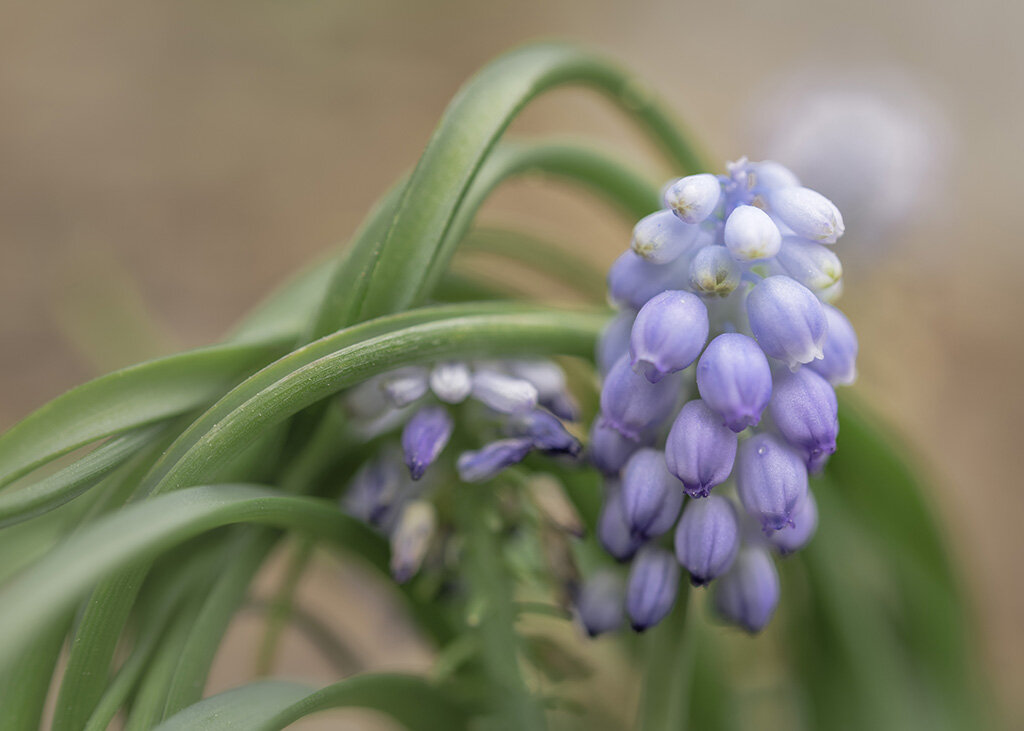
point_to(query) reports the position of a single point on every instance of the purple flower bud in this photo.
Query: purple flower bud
(694, 197)
(485, 463)
(805, 522)
(632, 404)
(411, 539)
(406, 385)
(751, 234)
(707, 538)
(547, 433)
(815, 266)
(503, 393)
(608, 449)
(788, 320)
(839, 364)
(653, 585)
(668, 334)
(651, 496)
(805, 411)
(614, 340)
(700, 450)
(714, 271)
(749, 592)
(376, 492)
(771, 479)
(423, 438)
(599, 604)
(661, 237)
(451, 382)
(632, 280)
(807, 213)
(612, 529)
(735, 380)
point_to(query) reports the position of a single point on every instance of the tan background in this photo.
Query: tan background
(183, 157)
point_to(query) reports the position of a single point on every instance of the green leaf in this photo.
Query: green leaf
(389, 273)
(518, 329)
(270, 705)
(41, 595)
(124, 400)
(57, 489)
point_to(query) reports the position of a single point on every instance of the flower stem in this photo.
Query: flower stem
(664, 701)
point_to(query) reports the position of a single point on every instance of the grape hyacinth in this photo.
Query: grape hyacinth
(416, 412)
(718, 377)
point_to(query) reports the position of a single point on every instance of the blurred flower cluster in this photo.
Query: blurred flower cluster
(416, 411)
(718, 393)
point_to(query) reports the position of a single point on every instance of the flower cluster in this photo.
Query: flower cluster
(718, 392)
(522, 401)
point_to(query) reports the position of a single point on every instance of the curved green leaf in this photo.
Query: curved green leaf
(67, 484)
(270, 705)
(127, 399)
(391, 270)
(47, 590)
(517, 329)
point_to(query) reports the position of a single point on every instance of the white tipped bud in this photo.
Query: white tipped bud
(714, 271)
(808, 214)
(813, 265)
(504, 393)
(451, 382)
(694, 197)
(661, 237)
(751, 234)
(411, 539)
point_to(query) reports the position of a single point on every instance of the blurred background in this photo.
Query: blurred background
(164, 165)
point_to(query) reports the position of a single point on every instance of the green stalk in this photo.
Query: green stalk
(668, 676)
(280, 608)
(489, 582)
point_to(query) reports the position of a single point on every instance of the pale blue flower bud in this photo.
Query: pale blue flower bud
(609, 450)
(612, 529)
(815, 266)
(806, 414)
(632, 280)
(694, 197)
(651, 496)
(661, 237)
(788, 320)
(485, 463)
(805, 522)
(549, 380)
(411, 539)
(451, 382)
(547, 432)
(749, 592)
(614, 340)
(668, 335)
(751, 234)
(714, 271)
(839, 364)
(807, 213)
(770, 479)
(423, 438)
(406, 385)
(653, 585)
(632, 404)
(504, 393)
(700, 449)
(769, 175)
(600, 603)
(735, 380)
